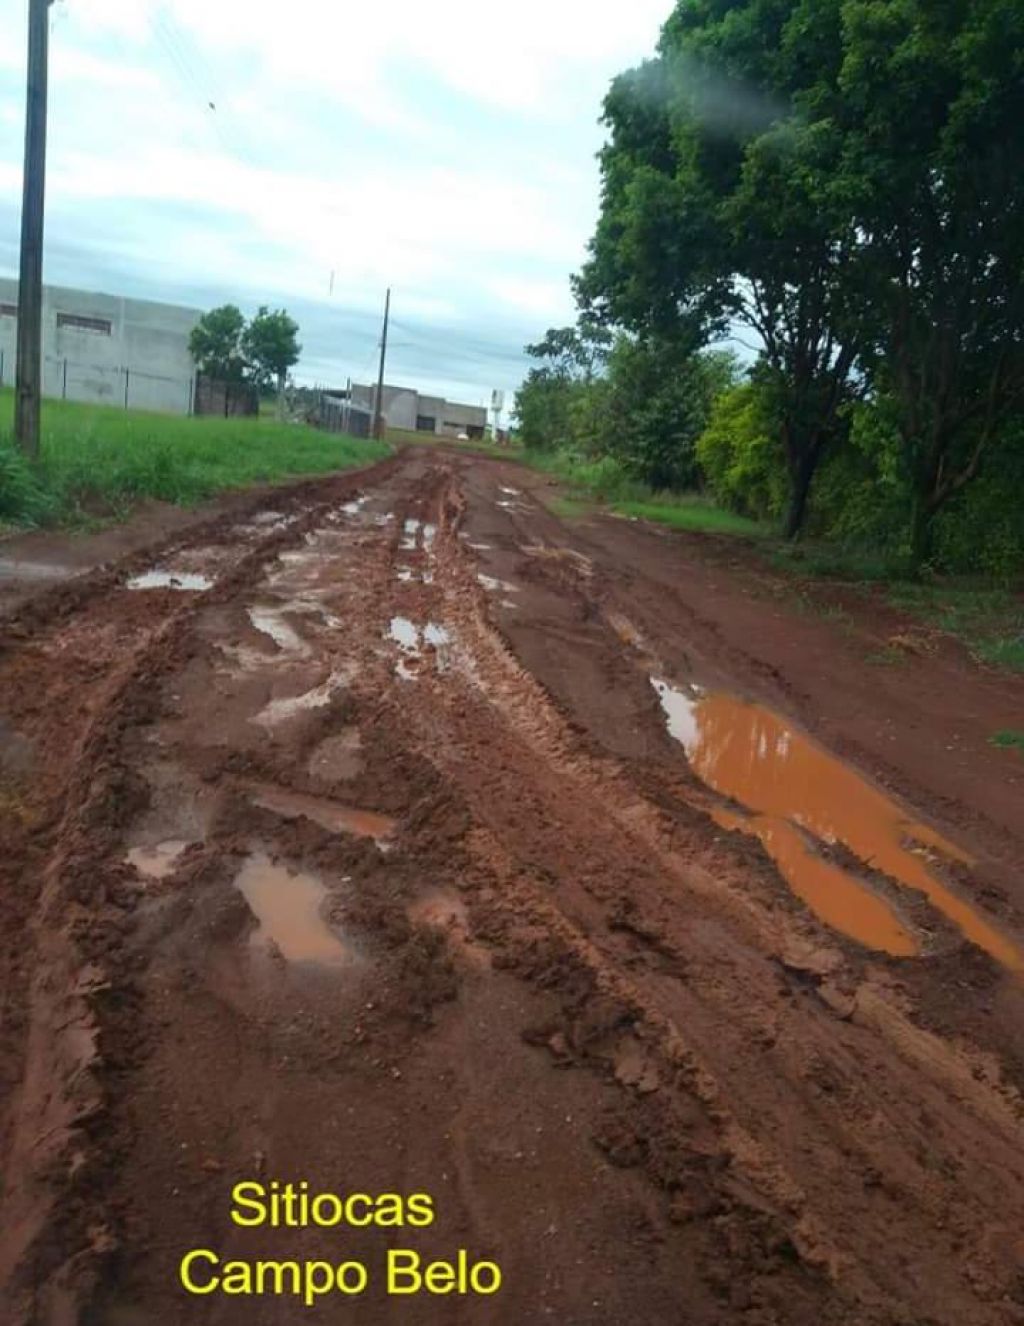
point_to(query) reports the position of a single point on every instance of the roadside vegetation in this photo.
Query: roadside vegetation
(836, 190)
(98, 462)
(607, 483)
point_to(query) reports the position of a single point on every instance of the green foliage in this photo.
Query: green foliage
(1008, 739)
(644, 402)
(608, 481)
(99, 460)
(216, 343)
(740, 455)
(716, 207)
(260, 351)
(270, 346)
(658, 399)
(930, 105)
(846, 179)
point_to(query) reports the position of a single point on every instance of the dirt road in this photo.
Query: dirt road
(395, 838)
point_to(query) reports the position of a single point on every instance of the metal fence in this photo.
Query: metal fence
(227, 399)
(121, 387)
(338, 414)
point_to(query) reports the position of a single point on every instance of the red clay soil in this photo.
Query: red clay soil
(380, 865)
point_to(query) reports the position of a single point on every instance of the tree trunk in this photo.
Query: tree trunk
(922, 532)
(280, 396)
(801, 472)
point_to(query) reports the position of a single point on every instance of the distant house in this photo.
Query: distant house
(405, 408)
(106, 349)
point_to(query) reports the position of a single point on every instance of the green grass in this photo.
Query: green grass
(691, 514)
(98, 462)
(989, 621)
(1008, 739)
(830, 562)
(605, 481)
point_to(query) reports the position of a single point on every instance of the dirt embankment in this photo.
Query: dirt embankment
(425, 845)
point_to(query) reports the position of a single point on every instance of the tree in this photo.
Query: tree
(659, 400)
(270, 345)
(714, 211)
(548, 403)
(216, 343)
(932, 114)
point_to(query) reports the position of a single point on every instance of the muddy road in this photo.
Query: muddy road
(389, 836)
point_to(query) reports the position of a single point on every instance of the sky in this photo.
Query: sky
(212, 151)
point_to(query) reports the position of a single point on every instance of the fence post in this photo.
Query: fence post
(126, 389)
(191, 393)
(64, 383)
(1, 368)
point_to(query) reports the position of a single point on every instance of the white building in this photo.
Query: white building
(404, 408)
(105, 349)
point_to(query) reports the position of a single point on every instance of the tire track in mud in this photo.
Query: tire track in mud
(543, 975)
(73, 694)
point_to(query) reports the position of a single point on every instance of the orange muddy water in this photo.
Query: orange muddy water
(288, 906)
(798, 793)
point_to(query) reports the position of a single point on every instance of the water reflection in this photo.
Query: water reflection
(796, 792)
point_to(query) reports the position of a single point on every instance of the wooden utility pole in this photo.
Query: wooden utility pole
(28, 383)
(378, 422)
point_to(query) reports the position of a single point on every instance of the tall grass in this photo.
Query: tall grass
(607, 481)
(100, 461)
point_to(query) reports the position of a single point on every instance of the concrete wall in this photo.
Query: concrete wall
(399, 403)
(145, 353)
(403, 407)
(461, 419)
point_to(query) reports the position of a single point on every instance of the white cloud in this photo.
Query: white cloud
(443, 148)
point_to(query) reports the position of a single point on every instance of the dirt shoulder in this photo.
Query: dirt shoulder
(907, 703)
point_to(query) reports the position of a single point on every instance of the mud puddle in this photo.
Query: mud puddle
(795, 793)
(272, 622)
(330, 815)
(495, 585)
(412, 639)
(191, 581)
(288, 906)
(159, 861)
(13, 569)
(277, 711)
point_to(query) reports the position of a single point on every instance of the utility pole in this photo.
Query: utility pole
(28, 383)
(378, 422)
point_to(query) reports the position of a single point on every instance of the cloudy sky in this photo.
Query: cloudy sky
(210, 150)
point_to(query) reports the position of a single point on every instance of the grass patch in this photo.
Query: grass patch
(605, 481)
(101, 461)
(1008, 739)
(989, 621)
(836, 563)
(693, 514)
(567, 508)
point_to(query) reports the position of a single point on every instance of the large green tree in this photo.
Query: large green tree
(718, 210)
(216, 343)
(931, 111)
(271, 347)
(658, 401)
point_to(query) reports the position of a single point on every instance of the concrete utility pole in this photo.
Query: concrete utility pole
(378, 422)
(28, 384)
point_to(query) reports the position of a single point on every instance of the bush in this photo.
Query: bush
(741, 456)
